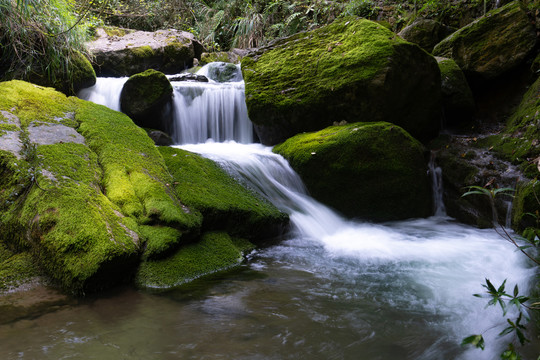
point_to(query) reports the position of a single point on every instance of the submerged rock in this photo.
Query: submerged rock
(144, 98)
(349, 70)
(493, 44)
(374, 171)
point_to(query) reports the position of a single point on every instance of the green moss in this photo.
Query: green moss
(349, 70)
(215, 252)
(317, 52)
(15, 268)
(225, 204)
(144, 93)
(116, 31)
(492, 44)
(526, 207)
(142, 52)
(159, 240)
(369, 170)
(34, 103)
(78, 207)
(519, 143)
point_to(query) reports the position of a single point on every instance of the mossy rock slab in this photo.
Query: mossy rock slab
(126, 54)
(526, 209)
(458, 100)
(80, 186)
(425, 32)
(493, 44)
(144, 98)
(352, 69)
(215, 252)
(374, 171)
(225, 204)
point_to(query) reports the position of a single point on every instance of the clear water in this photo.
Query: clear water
(330, 289)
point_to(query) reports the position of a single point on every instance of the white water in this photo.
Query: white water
(106, 92)
(405, 285)
(428, 266)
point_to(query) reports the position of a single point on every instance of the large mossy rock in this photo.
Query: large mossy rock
(144, 98)
(493, 44)
(78, 182)
(374, 171)
(458, 100)
(352, 69)
(224, 203)
(127, 53)
(425, 32)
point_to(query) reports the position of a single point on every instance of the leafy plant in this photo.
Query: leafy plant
(499, 296)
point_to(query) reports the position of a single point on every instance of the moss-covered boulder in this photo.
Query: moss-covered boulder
(128, 53)
(458, 100)
(425, 32)
(234, 56)
(520, 140)
(493, 44)
(373, 171)
(225, 204)
(78, 182)
(216, 252)
(352, 69)
(144, 98)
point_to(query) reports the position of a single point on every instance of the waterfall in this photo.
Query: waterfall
(215, 111)
(437, 186)
(106, 92)
(416, 276)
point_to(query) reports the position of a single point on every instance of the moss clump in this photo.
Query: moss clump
(350, 70)
(142, 52)
(224, 203)
(144, 95)
(369, 170)
(215, 252)
(15, 268)
(492, 44)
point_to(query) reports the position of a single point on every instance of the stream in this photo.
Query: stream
(331, 288)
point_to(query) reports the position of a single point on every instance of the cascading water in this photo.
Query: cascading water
(437, 185)
(332, 288)
(106, 92)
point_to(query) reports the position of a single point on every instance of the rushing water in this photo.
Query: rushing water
(330, 289)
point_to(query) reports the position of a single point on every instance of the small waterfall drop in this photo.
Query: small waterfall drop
(437, 186)
(106, 92)
(211, 110)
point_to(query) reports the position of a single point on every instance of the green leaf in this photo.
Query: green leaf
(475, 340)
(516, 290)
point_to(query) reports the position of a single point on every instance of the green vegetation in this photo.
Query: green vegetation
(43, 42)
(222, 24)
(499, 296)
(216, 251)
(15, 268)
